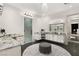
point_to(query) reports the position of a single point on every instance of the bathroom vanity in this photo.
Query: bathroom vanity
(11, 51)
(11, 43)
(57, 31)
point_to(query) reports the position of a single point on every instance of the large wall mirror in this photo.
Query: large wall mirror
(57, 28)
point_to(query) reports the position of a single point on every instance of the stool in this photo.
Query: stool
(45, 48)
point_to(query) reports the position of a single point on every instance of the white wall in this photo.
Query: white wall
(11, 20)
(39, 23)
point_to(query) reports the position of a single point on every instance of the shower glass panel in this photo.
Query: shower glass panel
(27, 30)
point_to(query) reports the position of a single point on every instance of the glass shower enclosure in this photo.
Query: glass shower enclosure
(27, 29)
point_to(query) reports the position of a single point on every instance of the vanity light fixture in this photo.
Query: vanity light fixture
(27, 14)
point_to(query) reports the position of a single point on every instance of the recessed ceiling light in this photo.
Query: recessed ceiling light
(70, 6)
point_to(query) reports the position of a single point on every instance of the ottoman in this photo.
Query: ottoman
(45, 48)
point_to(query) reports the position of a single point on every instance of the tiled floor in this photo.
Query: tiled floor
(73, 48)
(56, 50)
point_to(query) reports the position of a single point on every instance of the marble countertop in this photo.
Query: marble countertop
(8, 42)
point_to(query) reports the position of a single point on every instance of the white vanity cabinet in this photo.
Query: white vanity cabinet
(10, 46)
(14, 51)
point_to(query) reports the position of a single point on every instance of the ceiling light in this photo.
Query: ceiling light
(44, 6)
(44, 9)
(70, 6)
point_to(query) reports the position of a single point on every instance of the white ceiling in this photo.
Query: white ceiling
(53, 9)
